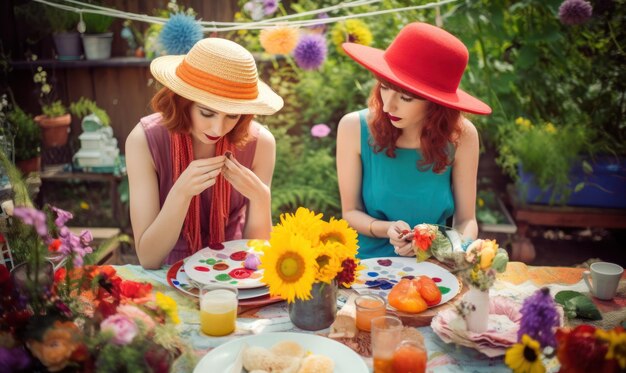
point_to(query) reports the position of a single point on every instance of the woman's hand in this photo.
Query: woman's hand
(199, 175)
(242, 178)
(396, 232)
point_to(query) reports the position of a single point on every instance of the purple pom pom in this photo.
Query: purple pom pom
(575, 12)
(310, 52)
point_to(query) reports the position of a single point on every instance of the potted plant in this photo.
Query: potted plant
(66, 37)
(561, 165)
(97, 39)
(55, 120)
(26, 141)
(83, 108)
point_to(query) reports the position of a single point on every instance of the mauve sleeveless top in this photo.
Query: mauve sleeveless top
(159, 145)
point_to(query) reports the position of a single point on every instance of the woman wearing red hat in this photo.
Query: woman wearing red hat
(411, 157)
(200, 168)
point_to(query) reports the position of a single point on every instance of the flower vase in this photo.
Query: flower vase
(318, 312)
(30, 285)
(477, 317)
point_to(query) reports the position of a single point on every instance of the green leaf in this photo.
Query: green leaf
(587, 168)
(584, 308)
(563, 296)
(579, 187)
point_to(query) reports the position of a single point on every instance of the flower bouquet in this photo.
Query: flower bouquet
(79, 317)
(306, 259)
(428, 240)
(480, 263)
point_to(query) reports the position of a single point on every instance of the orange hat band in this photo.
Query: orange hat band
(214, 84)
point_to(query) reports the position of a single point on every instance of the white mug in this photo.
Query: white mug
(604, 279)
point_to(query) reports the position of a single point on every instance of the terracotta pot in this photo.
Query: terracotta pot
(54, 130)
(29, 165)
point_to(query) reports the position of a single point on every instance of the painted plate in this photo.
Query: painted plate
(380, 274)
(224, 265)
(222, 358)
(178, 279)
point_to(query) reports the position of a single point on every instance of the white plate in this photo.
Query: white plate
(392, 269)
(223, 266)
(222, 358)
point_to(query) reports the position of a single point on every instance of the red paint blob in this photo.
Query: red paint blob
(240, 273)
(436, 279)
(216, 246)
(220, 266)
(238, 256)
(201, 269)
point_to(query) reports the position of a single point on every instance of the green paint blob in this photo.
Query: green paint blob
(223, 277)
(443, 289)
(233, 282)
(211, 261)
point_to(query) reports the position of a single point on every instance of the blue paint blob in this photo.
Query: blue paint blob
(372, 274)
(408, 269)
(175, 282)
(384, 272)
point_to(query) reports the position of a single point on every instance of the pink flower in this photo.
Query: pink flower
(320, 130)
(137, 315)
(123, 328)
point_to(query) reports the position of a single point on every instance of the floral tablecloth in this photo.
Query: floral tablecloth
(517, 282)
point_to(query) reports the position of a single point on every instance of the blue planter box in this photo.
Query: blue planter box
(605, 187)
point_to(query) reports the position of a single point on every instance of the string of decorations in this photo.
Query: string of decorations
(214, 26)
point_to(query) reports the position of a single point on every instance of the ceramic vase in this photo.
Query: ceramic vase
(318, 312)
(477, 316)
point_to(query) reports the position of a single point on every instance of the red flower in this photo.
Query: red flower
(135, 290)
(579, 351)
(347, 275)
(54, 246)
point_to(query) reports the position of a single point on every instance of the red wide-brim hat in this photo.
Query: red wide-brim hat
(425, 60)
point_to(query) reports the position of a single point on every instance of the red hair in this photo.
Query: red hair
(442, 126)
(176, 111)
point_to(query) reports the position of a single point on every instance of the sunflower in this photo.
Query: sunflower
(304, 223)
(280, 40)
(328, 261)
(290, 266)
(525, 357)
(352, 31)
(617, 345)
(340, 232)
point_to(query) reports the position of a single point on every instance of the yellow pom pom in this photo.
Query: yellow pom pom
(352, 31)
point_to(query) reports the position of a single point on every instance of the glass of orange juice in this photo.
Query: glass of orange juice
(409, 357)
(386, 336)
(218, 309)
(369, 306)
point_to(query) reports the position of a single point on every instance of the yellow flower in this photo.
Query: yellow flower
(290, 266)
(84, 205)
(524, 123)
(617, 345)
(525, 357)
(168, 305)
(304, 223)
(329, 261)
(481, 202)
(487, 253)
(550, 128)
(353, 31)
(280, 40)
(340, 232)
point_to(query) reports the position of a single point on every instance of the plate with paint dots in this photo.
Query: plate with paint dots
(233, 262)
(379, 275)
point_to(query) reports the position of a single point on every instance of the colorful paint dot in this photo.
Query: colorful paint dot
(209, 261)
(444, 290)
(220, 266)
(238, 256)
(216, 246)
(408, 269)
(240, 273)
(256, 275)
(436, 279)
(376, 268)
(384, 272)
(234, 282)
(384, 262)
(372, 274)
(175, 282)
(223, 277)
(409, 277)
(201, 268)
(221, 256)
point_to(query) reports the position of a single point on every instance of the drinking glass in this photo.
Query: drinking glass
(218, 309)
(368, 307)
(386, 336)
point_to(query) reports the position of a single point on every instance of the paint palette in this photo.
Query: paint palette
(224, 264)
(380, 274)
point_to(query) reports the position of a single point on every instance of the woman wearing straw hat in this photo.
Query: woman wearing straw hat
(411, 157)
(200, 168)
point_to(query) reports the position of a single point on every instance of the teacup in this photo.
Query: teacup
(604, 279)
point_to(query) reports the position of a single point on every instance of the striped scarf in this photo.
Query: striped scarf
(181, 152)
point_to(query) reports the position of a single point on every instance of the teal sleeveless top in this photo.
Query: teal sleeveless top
(395, 189)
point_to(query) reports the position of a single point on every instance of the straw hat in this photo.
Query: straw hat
(220, 74)
(425, 60)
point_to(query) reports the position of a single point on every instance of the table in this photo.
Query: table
(518, 282)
